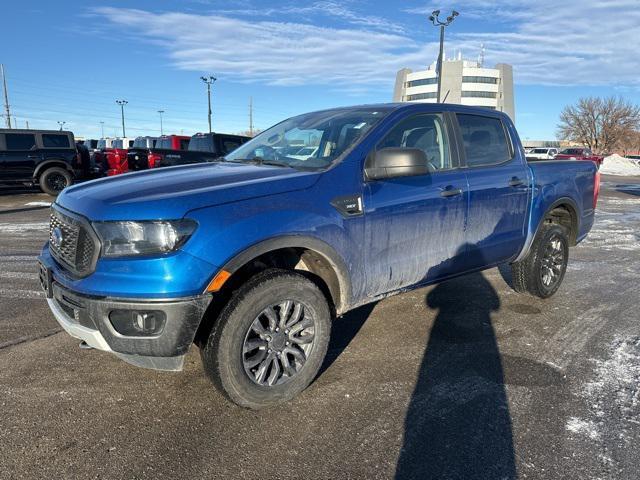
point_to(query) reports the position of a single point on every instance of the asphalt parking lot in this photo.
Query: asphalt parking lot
(465, 379)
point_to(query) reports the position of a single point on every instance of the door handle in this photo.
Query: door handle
(450, 191)
(516, 182)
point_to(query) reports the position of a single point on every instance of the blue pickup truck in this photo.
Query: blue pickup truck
(251, 257)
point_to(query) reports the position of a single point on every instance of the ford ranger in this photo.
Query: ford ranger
(252, 256)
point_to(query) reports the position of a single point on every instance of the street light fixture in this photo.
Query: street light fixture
(433, 18)
(61, 124)
(122, 103)
(209, 81)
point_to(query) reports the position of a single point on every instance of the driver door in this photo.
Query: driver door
(415, 226)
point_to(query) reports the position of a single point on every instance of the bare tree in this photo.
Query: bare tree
(630, 143)
(599, 123)
(248, 133)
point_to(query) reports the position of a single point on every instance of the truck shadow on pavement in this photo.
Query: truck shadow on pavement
(458, 423)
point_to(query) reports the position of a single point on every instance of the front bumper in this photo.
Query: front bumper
(87, 318)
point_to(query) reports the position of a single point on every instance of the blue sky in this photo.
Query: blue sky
(70, 60)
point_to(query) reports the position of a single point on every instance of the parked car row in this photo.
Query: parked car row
(573, 153)
(53, 160)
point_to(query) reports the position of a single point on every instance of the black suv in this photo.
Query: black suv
(47, 158)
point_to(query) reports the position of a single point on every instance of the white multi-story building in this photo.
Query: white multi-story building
(463, 82)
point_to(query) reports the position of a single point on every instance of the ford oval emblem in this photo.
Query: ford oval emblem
(56, 237)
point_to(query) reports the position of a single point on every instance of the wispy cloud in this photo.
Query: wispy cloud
(276, 53)
(587, 42)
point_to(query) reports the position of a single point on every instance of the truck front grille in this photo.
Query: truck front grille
(72, 243)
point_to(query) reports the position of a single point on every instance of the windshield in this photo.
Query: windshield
(540, 150)
(313, 140)
(571, 151)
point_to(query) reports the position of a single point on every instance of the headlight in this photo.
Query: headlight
(120, 239)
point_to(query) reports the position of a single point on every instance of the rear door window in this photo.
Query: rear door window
(20, 141)
(54, 140)
(485, 140)
(184, 143)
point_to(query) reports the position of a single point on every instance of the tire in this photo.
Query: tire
(541, 272)
(232, 369)
(54, 179)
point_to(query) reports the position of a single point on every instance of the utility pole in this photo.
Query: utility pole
(27, 122)
(122, 103)
(161, 112)
(209, 81)
(61, 124)
(6, 97)
(102, 129)
(251, 116)
(438, 23)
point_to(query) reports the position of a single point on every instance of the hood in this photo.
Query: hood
(169, 193)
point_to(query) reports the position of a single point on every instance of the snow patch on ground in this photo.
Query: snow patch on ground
(24, 228)
(38, 204)
(617, 165)
(584, 427)
(618, 374)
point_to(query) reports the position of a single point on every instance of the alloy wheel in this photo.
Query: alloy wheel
(278, 343)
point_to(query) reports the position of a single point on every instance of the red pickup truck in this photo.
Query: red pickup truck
(579, 153)
(167, 145)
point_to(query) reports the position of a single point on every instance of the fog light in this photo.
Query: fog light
(137, 323)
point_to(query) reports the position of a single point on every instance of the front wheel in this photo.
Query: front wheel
(541, 272)
(55, 179)
(270, 340)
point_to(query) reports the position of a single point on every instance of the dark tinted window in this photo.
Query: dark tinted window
(20, 141)
(476, 94)
(53, 140)
(426, 132)
(184, 143)
(130, 143)
(471, 79)
(200, 143)
(485, 140)
(423, 81)
(422, 96)
(230, 144)
(92, 144)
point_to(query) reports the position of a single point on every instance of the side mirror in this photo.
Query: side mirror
(396, 162)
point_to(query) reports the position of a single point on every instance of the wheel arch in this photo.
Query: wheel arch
(563, 211)
(298, 252)
(53, 162)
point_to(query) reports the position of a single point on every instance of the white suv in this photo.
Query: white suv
(543, 153)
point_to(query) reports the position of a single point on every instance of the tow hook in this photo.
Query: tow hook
(85, 346)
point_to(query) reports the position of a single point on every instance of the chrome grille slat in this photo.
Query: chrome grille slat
(78, 249)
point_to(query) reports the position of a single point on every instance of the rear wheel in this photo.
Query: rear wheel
(55, 179)
(541, 272)
(269, 340)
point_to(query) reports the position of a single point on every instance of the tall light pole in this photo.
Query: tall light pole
(122, 103)
(102, 129)
(161, 112)
(6, 97)
(439, 23)
(209, 81)
(61, 124)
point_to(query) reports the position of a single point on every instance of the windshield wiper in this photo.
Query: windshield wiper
(262, 161)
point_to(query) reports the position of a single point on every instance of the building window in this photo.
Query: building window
(422, 96)
(472, 79)
(424, 81)
(471, 93)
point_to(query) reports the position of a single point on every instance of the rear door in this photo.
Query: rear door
(414, 226)
(21, 156)
(499, 191)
